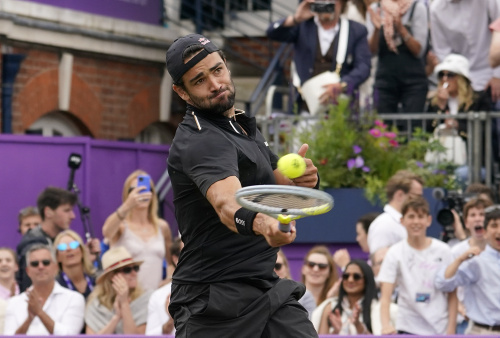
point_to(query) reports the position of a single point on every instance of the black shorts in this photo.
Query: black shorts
(240, 310)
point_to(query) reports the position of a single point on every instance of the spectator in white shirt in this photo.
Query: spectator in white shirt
(479, 273)
(386, 229)
(159, 320)
(461, 27)
(46, 308)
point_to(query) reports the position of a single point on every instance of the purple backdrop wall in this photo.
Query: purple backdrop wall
(146, 11)
(31, 163)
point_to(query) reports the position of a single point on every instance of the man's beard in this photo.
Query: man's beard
(218, 108)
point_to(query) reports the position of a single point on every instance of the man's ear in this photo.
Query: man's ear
(48, 212)
(181, 92)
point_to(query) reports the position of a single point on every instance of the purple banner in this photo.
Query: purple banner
(145, 11)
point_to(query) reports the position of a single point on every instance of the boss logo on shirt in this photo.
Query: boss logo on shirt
(240, 221)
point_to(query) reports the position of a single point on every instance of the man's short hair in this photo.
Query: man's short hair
(27, 212)
(367, 219)
(491, 213)
(54, 197)
(401, 180)
(175, 249)
(479, 188)
(478, 203)
(417, 204)
(40, 246)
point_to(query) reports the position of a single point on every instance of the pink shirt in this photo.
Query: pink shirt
(5, 293)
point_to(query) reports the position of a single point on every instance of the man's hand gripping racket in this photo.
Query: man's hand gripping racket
(285, 203)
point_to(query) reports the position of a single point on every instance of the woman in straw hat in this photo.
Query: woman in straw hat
(117, 304)
(136, 226)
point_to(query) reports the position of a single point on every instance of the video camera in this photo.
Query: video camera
(323, 6)
(451, 200)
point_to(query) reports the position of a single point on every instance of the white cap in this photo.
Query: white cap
(454, 63)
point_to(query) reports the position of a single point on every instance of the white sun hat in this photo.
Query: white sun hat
(455, 63)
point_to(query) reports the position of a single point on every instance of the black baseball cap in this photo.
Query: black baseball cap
(175, 63)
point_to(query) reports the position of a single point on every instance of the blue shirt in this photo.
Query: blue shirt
(480, 277)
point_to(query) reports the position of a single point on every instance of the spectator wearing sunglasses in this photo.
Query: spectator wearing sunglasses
(478, 271)
(46, 308)
(319, 273)
(412, 265)
(56, 209)
(282, 269)
(356, 309)
(136, 226)
(76, 271)
(455, 93)
(118, 304)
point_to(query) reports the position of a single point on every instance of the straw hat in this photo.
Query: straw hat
(116, 258)
(455, 63)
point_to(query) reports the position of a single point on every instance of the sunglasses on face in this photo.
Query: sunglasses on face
(65, 246)
(128, 269)
(355, 276)
(450, 75)
(321, 266)
(278, 266)
(45, 262)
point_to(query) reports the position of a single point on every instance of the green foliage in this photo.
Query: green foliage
(365, 153)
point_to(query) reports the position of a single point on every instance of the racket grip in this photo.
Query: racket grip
(284, 227)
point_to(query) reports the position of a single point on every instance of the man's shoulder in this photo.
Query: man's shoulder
(35, 235)
(357, 27)
(440, 245)
(382, 221)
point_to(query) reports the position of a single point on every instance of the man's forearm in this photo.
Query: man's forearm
(25, 326)
(452, 269)
(452, 312)
(47, 321)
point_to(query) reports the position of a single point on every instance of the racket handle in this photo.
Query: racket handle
(284, 227)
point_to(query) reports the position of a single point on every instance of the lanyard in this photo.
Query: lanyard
(70, 284)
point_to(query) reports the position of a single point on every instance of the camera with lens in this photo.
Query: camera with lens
(326, 6)
(451, 200)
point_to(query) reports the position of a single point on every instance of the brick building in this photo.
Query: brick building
(97, 68)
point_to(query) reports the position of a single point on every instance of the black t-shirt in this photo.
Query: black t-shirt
(198, 159)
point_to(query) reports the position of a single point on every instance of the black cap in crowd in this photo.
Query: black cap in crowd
(175, 64)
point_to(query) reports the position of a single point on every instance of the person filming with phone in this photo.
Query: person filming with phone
(316, 31)
(136, 226)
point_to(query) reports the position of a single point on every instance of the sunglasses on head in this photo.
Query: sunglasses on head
(45, 262)
(491, 209)
(321, 266)
(128, 269)
(278, 266)
(65, 246)
(450, 75)
(355, 276)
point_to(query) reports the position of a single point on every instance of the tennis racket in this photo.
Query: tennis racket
(285, 203)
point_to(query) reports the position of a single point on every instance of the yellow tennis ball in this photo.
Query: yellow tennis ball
(292, 165)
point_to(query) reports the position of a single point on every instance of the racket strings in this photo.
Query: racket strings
(285, 201)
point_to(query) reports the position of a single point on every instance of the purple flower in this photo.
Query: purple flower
(359, 162)
(419, 164)
(351, 163)
(375, 132)
(357, 149)
(365, 169)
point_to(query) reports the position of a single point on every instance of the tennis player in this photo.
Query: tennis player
(224, 284)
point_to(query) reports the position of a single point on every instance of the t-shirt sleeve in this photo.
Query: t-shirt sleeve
(389, 269)
(209, 159)
(495, 26)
